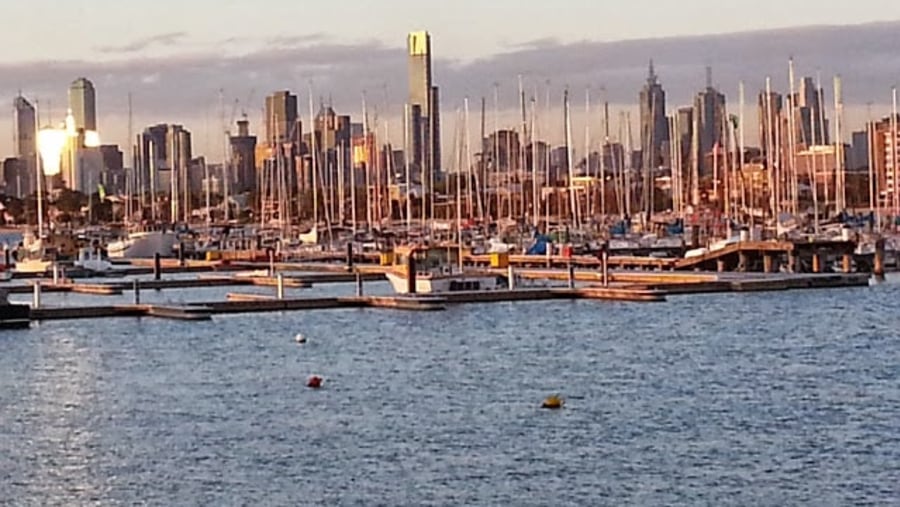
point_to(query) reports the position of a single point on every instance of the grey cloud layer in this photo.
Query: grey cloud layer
(187, 85)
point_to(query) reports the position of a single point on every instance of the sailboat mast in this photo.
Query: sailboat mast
(406, 156)
(314, 148)
(368, 164)
(570, 154)
(840, 195)
(895, 173)
(792, 142)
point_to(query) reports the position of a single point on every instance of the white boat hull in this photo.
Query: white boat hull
(143, 245)
(443, 284)
(33, 266)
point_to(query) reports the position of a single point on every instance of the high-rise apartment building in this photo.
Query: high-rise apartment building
(83, 103)
(709, 111)
(424, 105)
(281, 117)
(654, 125)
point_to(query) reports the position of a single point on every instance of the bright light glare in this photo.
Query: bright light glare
(51, 143)
(91, 139)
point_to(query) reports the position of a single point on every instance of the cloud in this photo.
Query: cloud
(163, 39)
(296, 40)
(185, 87)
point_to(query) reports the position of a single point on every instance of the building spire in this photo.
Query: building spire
(709, 80)
(651, 73)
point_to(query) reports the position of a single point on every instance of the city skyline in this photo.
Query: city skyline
(177, 92)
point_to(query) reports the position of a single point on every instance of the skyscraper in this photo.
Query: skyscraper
(654, 126)
(709, 108)
(424, 105)
(24, 123)
(771, 118)
(83, 103)
(243, 157)
(812, 126)
(281, 116)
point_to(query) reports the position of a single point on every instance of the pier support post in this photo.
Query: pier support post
(157, 267)
(350, 256)
(720, 265)
(511, 277)
(280, 286)
(411, 274)
(549, 253)
(817, 262)
(847, 263)
(768, 263)
(55, 273)
(181, 253)
(604, 265)
(136, 285)
(571, 269)
(36, 299)
(792, 262)
(878, 264)
(7, 256)
(271, 254)
(359, 284)
(744, 262)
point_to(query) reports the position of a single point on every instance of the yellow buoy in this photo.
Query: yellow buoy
(553, 402)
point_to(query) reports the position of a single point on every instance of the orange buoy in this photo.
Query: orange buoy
(314, 382)
(553, 402)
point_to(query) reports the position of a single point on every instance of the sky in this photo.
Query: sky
(174, 57)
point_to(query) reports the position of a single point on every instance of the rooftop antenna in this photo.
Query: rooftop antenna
(709, 80)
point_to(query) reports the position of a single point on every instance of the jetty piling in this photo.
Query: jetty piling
(36, 298)
(280, 286)
(157, 267)
(511, 277)
(136, 287)
(411, 275)
(359, 284)
(878, 267)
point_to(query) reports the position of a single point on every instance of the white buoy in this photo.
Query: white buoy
(300, 338)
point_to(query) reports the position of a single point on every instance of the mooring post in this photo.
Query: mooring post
(411, 274)
(349, 255)
(571, 275)
(271, 261)
(817, 262)
(878, 266)
(181, 253)
(511, 276)
(36, 300)
(604, 262)
(157, 266)
(847, 262)
(7, 256)
(136, 285)
(280, 286)
(55, 273)
(359, 284)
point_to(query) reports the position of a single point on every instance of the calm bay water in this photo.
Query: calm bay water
(761, 399)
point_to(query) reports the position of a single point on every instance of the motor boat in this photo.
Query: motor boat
(143, 245)
(89, 259)
(438, 271)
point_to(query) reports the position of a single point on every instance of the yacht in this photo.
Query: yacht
(437, 271)
(143, 245)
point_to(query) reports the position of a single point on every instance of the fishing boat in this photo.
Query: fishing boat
(437, 270)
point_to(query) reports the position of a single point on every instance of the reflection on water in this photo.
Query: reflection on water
(758, 399)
